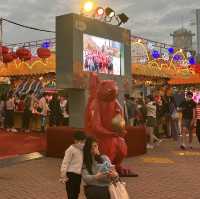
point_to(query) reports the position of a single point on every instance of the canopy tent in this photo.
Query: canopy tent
(35, 66)
(185, 79)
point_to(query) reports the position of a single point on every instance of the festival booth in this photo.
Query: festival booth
(155, 64)
(190, 81)
(35, 74)
(147, 78)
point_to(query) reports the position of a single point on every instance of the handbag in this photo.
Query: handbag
(175, 115)
(118, 190)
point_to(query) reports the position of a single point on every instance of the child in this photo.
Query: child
(72, 166)
(106, 167)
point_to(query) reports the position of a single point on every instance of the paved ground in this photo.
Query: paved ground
(164, 173)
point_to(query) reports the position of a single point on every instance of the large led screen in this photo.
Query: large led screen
(102, 55)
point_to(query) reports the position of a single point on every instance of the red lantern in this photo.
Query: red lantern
(43, 53)
(7, 58)
(14, 55)
(24, 54)
(4, 50)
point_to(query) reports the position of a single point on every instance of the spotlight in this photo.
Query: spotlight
(99, 11)
(88, 6)
(109, 12)
(123, 18)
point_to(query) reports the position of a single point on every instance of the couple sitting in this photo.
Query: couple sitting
(83, 159)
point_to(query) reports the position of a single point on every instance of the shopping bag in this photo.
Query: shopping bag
(118, 190)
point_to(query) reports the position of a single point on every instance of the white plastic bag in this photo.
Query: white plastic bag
(118, 190)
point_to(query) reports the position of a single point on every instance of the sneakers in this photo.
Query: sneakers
(8, 130)
(149, 146)
(158, 142)
(183, 147)
(190, 146)
(14, 130)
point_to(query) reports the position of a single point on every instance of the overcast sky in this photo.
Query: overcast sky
(152, 19)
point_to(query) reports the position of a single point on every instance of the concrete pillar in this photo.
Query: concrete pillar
(77, 103)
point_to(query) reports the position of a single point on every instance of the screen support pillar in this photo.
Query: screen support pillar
(77, 104)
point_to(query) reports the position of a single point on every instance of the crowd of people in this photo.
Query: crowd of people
(51, 108)
(98, 61)
(165, 116)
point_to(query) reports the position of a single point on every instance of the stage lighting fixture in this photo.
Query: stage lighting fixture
(88, 6)
(99, 11)
(109, 12)
(123, 18)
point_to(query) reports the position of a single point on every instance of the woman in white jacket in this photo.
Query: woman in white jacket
(151, 121)
(44, 109)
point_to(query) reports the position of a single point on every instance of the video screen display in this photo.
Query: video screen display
(101, 55)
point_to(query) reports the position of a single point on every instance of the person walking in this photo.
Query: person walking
(129, 109)
(175, 130)
(71, 168)
(188, 108)
(151, 121)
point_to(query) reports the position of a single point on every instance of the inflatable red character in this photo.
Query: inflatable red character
(104, 121)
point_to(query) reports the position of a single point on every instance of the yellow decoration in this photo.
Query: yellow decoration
(157, 160)
(187, 153)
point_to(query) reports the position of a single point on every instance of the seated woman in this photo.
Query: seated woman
(98, 172)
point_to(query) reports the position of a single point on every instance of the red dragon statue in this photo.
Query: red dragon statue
(104, 121)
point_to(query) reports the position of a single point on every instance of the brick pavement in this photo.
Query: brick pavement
(164, 173)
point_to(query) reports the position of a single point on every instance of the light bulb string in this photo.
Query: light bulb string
(28, 27)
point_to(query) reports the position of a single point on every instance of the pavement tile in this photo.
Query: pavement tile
(38, 179)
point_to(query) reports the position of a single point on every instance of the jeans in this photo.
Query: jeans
(175, 130)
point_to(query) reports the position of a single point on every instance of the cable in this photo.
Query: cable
(28, 27)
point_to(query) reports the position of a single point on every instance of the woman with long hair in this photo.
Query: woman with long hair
(175, 130)
(98, 172)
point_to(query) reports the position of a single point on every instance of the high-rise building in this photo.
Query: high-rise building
(182, 38)
(198, 33)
